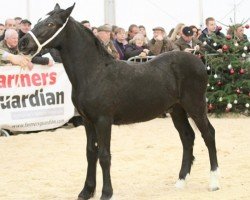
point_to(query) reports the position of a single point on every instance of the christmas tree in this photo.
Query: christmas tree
(228, 88)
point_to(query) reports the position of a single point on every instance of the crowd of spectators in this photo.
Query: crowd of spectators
(122, 44)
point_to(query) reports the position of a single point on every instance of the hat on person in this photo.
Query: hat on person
(187, 31)
(105, 28)
(159, 28)
(25, 21)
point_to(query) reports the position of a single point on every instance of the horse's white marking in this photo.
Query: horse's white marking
(214, 180)
(96, 144)
(43, 18)
(181, 183)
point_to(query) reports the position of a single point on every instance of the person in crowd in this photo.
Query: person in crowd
(132, 31)
(94, 30)
(10, 42)
(236, 31)
(206, 36)
(1, 29)
(137, 47)
(160, 43)
(86, 24)
(187, 42)
(25, 26)
(9, 24)
(104, 35)
(18, 21)
(142, 30)
(120, 42)
(195, 31)
(170, 32)
(177, 32)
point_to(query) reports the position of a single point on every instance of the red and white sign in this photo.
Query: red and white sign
(34, 100)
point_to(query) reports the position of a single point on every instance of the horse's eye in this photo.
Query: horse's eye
(50, 24)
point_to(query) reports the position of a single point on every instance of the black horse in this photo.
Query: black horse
(107, 91)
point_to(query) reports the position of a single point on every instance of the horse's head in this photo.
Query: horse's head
(45, 31)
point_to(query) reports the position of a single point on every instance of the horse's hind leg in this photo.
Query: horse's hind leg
(187, 136)
(198, 114)
(92, 156)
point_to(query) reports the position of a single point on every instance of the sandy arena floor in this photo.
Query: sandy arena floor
(146, 159)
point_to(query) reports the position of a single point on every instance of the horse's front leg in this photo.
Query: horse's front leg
(92, 156)
(103, 131)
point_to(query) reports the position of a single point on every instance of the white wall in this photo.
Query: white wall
(166, 13)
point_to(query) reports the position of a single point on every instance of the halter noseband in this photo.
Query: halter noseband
(40, 46)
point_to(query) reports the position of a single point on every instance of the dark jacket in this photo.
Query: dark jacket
(38, 59)
(157, 47)
(2, 36)
(55, 54)
(20, 34)
(120, 47)
(133, 50)
(209, 40)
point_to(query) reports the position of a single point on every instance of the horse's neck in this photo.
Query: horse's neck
(80, 56)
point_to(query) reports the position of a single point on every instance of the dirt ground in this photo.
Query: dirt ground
(146, 159)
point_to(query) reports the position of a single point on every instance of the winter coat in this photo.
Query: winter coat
(157, 47)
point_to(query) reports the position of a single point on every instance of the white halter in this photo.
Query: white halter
(40, 46)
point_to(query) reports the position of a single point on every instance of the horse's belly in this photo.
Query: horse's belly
(141, 112)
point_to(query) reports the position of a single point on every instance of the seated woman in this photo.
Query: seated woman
(137, 47)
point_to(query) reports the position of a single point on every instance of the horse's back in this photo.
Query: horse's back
(155, 86)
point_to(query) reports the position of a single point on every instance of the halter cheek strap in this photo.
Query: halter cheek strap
(40, 46)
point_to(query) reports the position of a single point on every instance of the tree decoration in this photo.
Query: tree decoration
(228, 88)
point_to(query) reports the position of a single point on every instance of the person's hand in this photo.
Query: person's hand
(51, 63)
(146, 51)
(197, 48)
(189, 50)
(21, 60)
(142, 54)
(220, 50)
(159, 37)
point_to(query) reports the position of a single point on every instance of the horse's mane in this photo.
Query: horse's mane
(83, 30)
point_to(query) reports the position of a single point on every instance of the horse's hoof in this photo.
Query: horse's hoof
(86, 194)
(104, 197)
(214, 189)
(180, 184)
(214, 180)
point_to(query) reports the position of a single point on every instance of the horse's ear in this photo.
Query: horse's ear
(57, 7)
(70, 8)
(68, 11)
